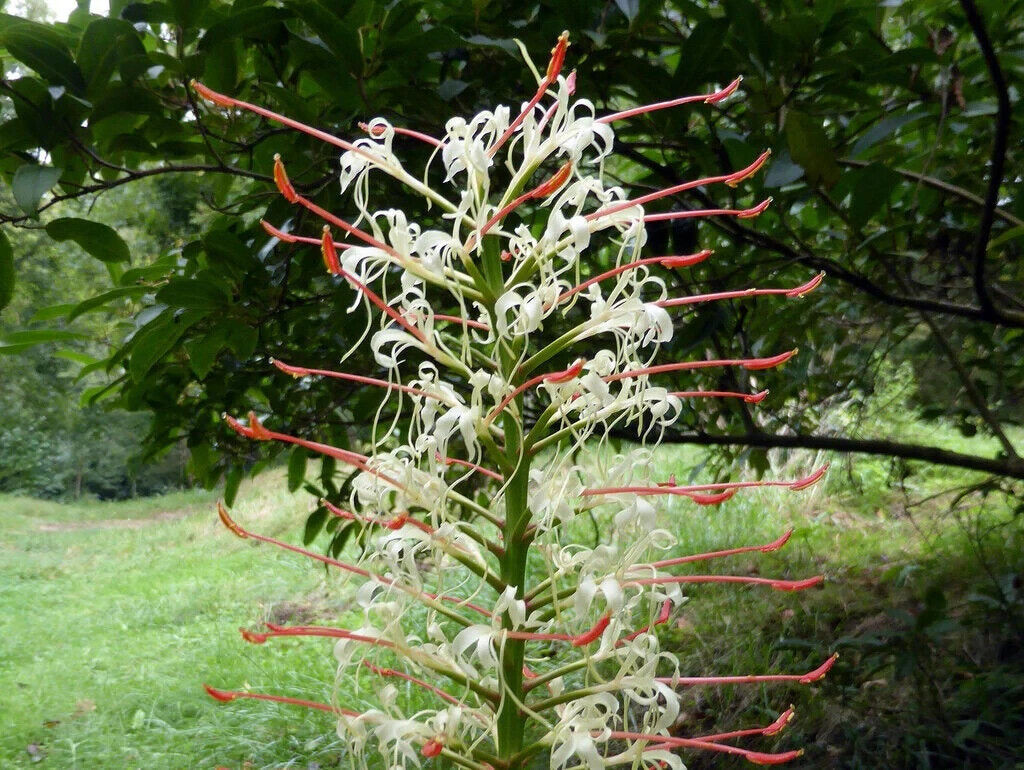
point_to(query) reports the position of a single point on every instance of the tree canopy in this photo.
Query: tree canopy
(895, 131)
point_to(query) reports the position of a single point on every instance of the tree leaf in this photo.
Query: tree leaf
(108, 296)
(809, 147)
(30, 182)
(296, 468)
(105, 43)
(96, 239)
(314, 525)
(232, 482)
(872, 187)
(194, 293)
(41, 49)
(6, 271)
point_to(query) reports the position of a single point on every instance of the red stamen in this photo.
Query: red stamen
(226, 696)
(784, 719)
(378, 130)
(712, 98)
(730, 179)
(554, 67)
(778, 585)
(543, 190)
(579, 640)
(390, 672)
(552, 377)
(808, 678)
(746, 363)
(281, 235)
(466, 464)
(394, 523)
(227, 101)
(669, 262)
(767, 548)
(300, 371)
(750, 398)
(796, 484)
(666, 610)
(663, 741)
(718, 499)
(454, 319)
(738, 213)
(798, 291)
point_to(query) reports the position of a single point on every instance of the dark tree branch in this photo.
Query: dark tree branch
(804, 257)
(1010, 468)
(997, 163)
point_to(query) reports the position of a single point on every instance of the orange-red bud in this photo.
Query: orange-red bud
(329, 252)
(212, 96)
(284, 185)
(557, 57)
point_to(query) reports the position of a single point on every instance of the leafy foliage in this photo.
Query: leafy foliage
(882, 120)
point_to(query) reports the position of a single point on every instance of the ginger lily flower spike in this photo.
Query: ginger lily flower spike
(487, 636)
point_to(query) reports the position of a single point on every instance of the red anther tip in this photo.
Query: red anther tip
(784, 719)
(756, 398)
(256, 429)
(432, 748)
(810, 286)
(715, 499)
(294, 371)
(552, 186)
(506, 256)
(691, 259)
(253, 637)
(758, 209)
(777, 544)
(330, 254)
(275, 626)
(594, 633)
(210, 95)
(228, 522)
(284, 185)
(768, 363)
(558, 378)
(809, 480)
(670, 483)
(798, 585)
(237, 427)
(222, 695)
(729, 90)
(733, 180)
(275, 233)
(820, 671)
(557, 57)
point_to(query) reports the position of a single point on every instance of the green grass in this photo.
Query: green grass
(112, 623)
(115, 614)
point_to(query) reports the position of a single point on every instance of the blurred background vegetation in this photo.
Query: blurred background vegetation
(141, 299)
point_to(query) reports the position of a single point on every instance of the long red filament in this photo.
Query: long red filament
(809, 678)
(712, 98)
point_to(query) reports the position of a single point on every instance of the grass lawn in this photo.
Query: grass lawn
(115, 614)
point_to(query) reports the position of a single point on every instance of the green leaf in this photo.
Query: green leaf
(52, 312)
(341, 38)
(232, 482)
(314, 524)
(37, 336)
(29, 184)
(872, 187)
(6, 271)
(194, 293)
(154, 340)
(296, 468)
(108, 296)
(96, 239)
(809, 147)
(41, 49)
(202, 352)
(105, 43)
(242, 23)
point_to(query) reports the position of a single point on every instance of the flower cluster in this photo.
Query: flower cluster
(493, 636)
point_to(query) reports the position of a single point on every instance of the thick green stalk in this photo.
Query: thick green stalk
(511, 721)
